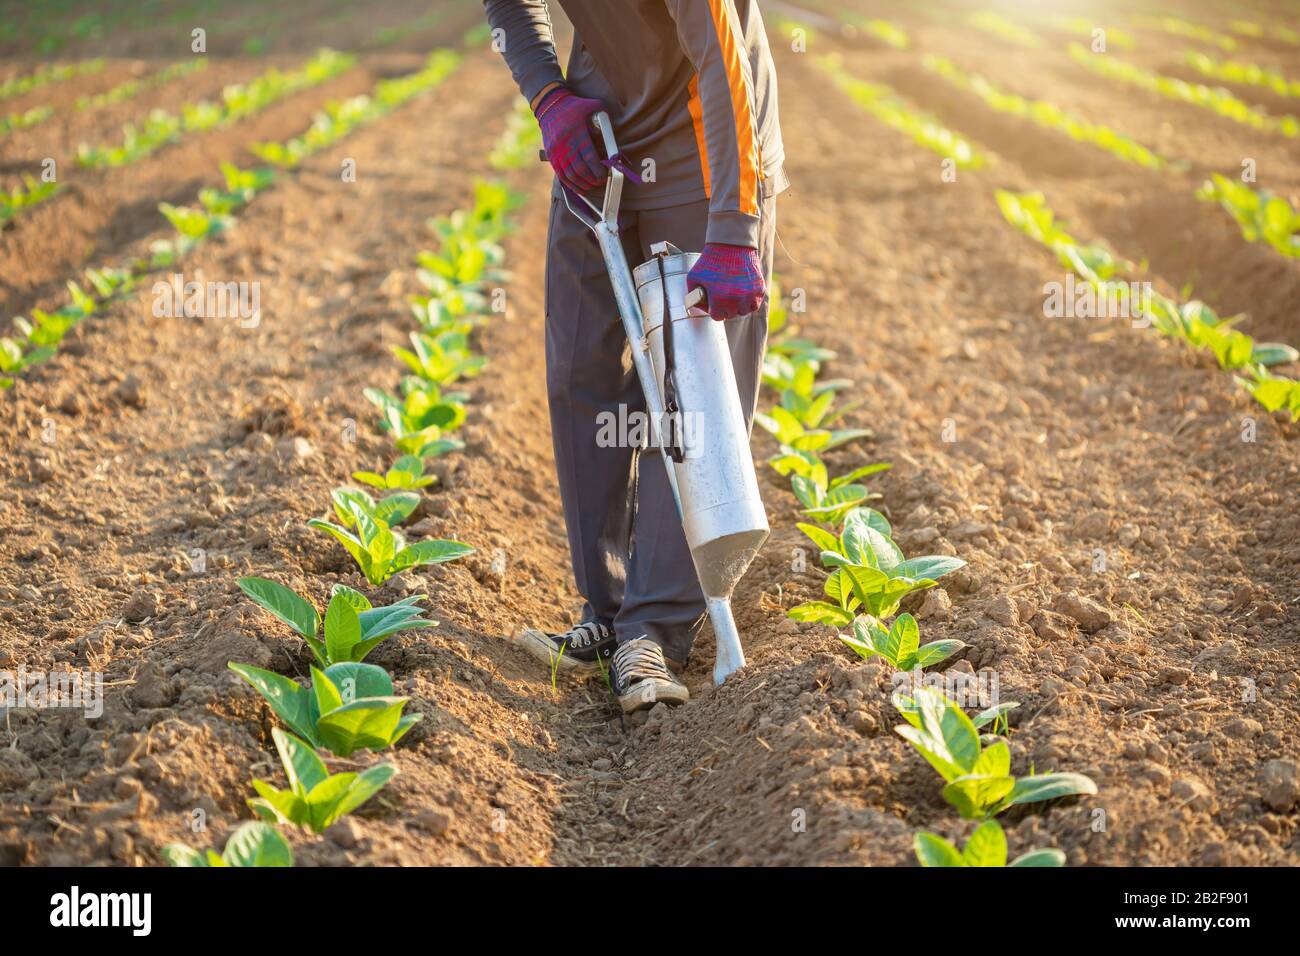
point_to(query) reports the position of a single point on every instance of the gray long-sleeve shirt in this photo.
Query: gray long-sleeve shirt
(688, 84)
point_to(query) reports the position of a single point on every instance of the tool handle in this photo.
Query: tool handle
(697, 302)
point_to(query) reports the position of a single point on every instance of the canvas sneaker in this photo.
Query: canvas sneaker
(582, 651)
(641, 678)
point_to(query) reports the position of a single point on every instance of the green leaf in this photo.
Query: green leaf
(285, 604)
(178, 854)
(994, 760)
(975, 795)
(932, 567)
(395, 508)
(290, 701)
(301, 764)
(820, 612)
(934, 850)
(360, 603)
(824, 540)
(985, 717)
(933, 653)
(1048, 857)
(278, 806)
(342, 628)
(1049, 786)
(327, 696)
(355, 680)
(430, 552)
(369, 723)
(864, 581)
(367, 784)
(902, 639)
(987, 846)
(257, 844)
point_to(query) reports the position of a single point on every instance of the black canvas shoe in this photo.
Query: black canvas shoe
(583, 651)
(641, 678)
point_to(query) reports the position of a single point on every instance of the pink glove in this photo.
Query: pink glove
(731, 277)
(567, 137)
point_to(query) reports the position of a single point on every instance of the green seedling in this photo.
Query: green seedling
(1192, 322)
(999, 26)
(886, 105)
(348, 708)
(1274, 392)
(381, 552)
(1186, 30)
(869, 568)
(442, 359)
(463, 263)
(419, 420)
(253, 844)
(789, 431)
(31, 193)
(341, 641)
(830, 503)
(392, 509)
(900, 644)
(407, 473)
(994, 717)
(1047, 114)
(1216, 99)
(522, 139)
(987, 846)
(1261, 216)
(315, 798)
(14, 360)
(978, 779)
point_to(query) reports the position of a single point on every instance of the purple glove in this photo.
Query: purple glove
(566, 135)
(732, 279)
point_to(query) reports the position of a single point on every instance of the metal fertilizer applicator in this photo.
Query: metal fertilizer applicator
(684, 366)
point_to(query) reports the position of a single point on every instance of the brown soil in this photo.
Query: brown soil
(163, 437)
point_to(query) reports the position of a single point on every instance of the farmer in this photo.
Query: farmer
(690, 88)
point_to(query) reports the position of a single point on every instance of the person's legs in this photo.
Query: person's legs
(662, 599)
(586, 376)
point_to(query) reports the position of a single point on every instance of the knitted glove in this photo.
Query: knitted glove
(566, 135)
(731, 277)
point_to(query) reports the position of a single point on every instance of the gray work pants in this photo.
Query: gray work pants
(629, 553)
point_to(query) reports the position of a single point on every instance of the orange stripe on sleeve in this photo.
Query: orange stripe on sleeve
(696, 107)
(746, 139)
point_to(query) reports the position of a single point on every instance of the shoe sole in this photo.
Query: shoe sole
(542, 647)
(647, 693)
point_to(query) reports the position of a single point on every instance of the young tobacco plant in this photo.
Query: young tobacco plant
(349, 707)
(391, 509)
(419, 420)
(381, 552)
(441, 359)
(792, 433)
(254, 844)
(343, 640)
(824, 498)
(900, 644)
(315, 798)
(407, 473)
(987, 846)
(870, 573)
(978, 779)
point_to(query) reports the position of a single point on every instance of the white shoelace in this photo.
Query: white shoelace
(584, 635)
(641, 659)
